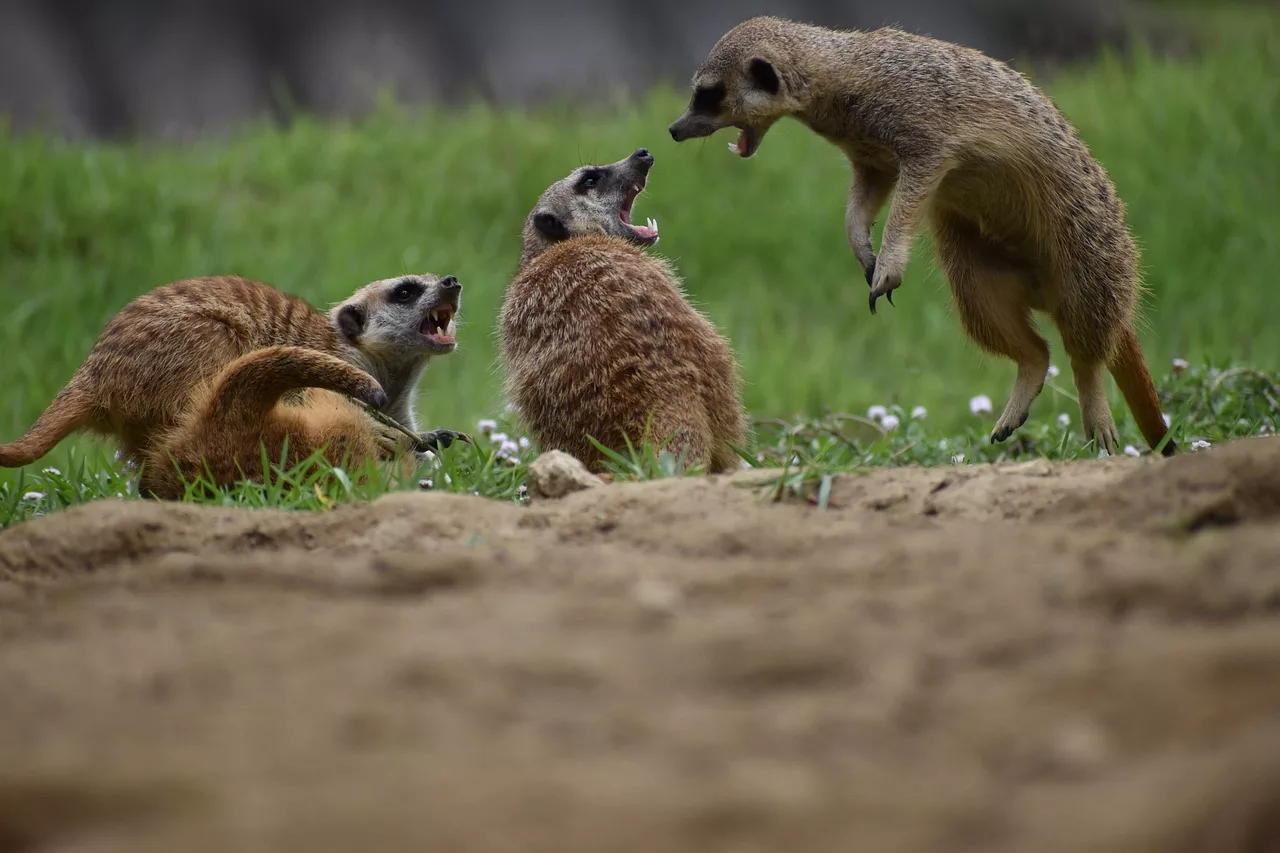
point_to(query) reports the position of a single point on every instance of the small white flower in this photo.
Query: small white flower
(1064, 419)
(1180, 364)
(1053, 370)
(487, 426)
(1264, 429)
(54, 471)
(498, 437)
(523, 442)
(33, 496)
(448, 480)
(877, 412)
(1242, 422)
(1130, 450)
(1168, 421)
(795, 460)
(1200, 444)
(942, 444)
(919, 412)
(979, 404)
(889, 422)
(957, 459)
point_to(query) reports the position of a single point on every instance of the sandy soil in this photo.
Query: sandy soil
(1034, 657)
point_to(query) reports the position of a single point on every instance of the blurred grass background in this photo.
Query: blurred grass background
(318, 209)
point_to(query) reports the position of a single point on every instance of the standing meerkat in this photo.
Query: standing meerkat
(168, 344)
(1022, 215)
(598, 339)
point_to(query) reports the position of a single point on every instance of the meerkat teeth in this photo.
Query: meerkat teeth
(653, 223)
(733, 148)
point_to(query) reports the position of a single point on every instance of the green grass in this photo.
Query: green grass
(320, 208)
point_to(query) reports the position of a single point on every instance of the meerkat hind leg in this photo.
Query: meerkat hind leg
(991, 295)
(1095, 411)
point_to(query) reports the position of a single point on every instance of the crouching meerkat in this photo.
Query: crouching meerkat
(1023, 217)
(597, 337)
(228, 425)
(162, 354)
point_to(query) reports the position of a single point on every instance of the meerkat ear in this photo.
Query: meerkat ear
(351, 320)
(764, 76)
(550, 225)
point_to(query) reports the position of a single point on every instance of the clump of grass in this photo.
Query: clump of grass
(1205, 404)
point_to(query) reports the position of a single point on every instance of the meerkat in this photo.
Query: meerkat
(230, 423)
(140, 376)
(597, 338)
(1023, 217)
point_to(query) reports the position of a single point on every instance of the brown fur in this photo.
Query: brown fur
(1023, 217)
(142, 375)
(227, 426)
(597, 338)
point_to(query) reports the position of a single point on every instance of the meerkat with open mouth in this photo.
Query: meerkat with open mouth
(598, 339)
(164, 351)
(1024, 218)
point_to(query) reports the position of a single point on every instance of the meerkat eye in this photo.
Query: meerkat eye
(708, 99)
(590, 180)
(406, 291)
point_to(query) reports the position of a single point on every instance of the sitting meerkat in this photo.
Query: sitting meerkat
(1023, 217)
(163, 349)
(597, 338)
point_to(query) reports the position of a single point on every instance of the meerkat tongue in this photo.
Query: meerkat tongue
(741, 146)
(647, 231)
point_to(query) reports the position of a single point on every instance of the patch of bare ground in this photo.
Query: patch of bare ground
(1048, 657)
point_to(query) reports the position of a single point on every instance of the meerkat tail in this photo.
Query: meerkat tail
(68, 412)
(249, 387)
(1134, 381)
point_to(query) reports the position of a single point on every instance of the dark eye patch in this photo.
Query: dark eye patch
(590, 179)
(708, 99)
(407, 291)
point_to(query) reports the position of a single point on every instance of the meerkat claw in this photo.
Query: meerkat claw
(440, 439)
(871, 272)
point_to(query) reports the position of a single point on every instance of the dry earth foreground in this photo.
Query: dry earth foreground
(1036, 657)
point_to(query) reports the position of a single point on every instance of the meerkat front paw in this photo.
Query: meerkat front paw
(884, 281)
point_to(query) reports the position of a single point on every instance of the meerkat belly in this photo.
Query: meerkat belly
(995, 203)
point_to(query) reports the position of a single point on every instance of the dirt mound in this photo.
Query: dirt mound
(996, 658)
(1237, 484)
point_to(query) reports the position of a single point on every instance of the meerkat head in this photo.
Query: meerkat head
(408, 316)
(748, 81)
(592, 200)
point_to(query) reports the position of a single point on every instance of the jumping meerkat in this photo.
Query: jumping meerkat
(162, 348)
(597, 337)
(1023, 216)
